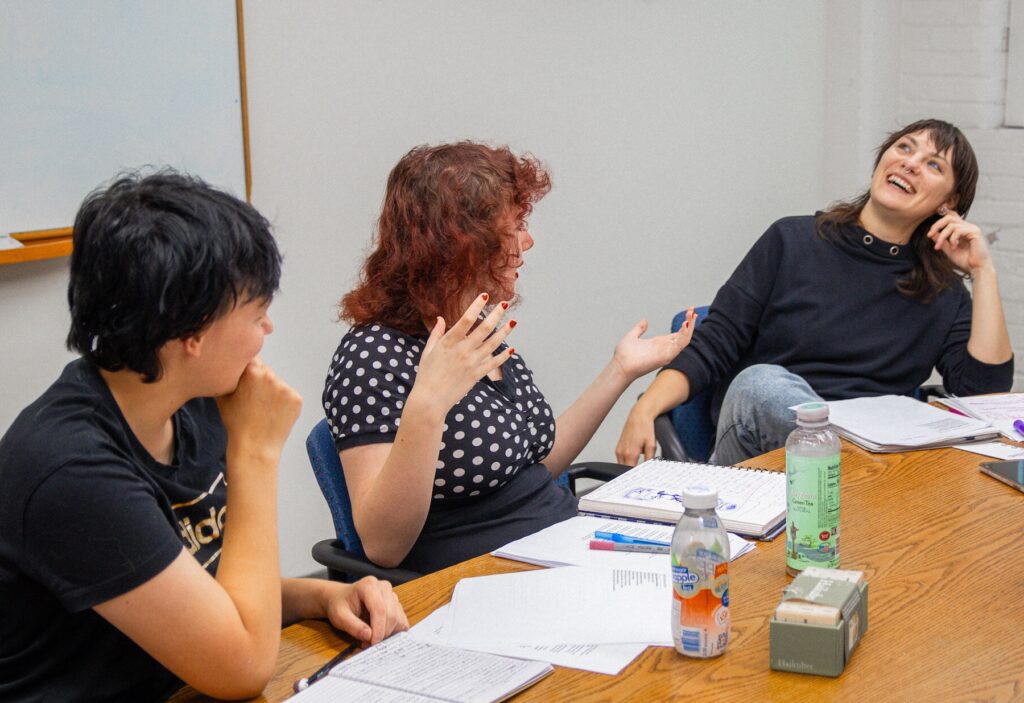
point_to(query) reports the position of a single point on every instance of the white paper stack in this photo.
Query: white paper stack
(595, 619)
(567, 543)
(896, 423)
(1000, 411)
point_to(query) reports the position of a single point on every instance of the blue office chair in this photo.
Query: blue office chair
(344, 556)
(686, 432)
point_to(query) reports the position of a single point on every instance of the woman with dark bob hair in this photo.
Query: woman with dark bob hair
(864, 299)
(448, 447)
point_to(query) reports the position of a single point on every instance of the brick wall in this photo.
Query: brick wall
(953, 57)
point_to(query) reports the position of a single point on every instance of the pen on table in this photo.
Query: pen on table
(627, 539)
(303, 684)
(1019, 426)
(608, 546)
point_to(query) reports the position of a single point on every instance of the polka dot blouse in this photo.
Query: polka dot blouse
(498, 428)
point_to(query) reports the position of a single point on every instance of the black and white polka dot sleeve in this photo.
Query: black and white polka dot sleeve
(370, 377)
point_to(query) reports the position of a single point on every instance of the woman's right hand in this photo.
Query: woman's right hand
(453, 361)
(637, 438)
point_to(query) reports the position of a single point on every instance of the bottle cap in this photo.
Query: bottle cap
(700, 497)
(812, 413)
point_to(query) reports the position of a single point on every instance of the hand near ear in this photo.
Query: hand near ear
(961, 241)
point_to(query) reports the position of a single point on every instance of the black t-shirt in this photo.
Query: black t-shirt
(86, 515)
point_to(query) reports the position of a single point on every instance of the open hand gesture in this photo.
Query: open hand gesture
(453, 361)
(636, 356)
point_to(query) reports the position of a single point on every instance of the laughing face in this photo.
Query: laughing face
(912, 180)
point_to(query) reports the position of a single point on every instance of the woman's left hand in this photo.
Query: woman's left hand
(367, 609)
(961, 241)
(636, 356)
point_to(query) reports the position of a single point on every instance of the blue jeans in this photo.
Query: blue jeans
(756, 416)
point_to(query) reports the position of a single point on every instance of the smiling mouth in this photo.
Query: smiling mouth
(900, 183)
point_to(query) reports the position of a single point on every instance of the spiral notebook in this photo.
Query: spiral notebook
(751, 502)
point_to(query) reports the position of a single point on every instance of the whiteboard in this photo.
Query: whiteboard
(91, 89)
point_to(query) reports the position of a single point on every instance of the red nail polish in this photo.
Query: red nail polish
(504, 306)
(517, 274)
(512, 323)
(511, 351)
(484, 296)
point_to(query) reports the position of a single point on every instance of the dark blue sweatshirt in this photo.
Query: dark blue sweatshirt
(828, 310)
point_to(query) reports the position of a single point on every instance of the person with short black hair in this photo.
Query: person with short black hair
(138, 517)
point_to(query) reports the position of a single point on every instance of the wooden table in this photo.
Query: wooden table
(939, 542)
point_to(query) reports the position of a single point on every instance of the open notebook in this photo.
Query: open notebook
(403, 669)
(751, 502)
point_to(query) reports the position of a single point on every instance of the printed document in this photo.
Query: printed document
(600, 658)
(554, 606)
(897, 423)
(999, 410)
(403, 669)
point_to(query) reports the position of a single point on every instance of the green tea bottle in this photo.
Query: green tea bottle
(812, 491)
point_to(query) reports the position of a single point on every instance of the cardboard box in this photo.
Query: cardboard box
(805, 640)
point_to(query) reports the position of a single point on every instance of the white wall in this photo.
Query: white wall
(676, 132)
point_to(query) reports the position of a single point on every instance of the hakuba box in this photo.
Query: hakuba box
(819, 622)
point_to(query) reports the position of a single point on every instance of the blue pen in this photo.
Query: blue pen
(1019, 426)
(626, 539)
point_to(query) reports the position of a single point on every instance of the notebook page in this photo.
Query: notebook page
(423, 671)
(745, 497)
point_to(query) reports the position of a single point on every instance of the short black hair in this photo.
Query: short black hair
(159, 257)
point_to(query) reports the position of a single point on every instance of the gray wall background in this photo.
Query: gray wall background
(675, 133)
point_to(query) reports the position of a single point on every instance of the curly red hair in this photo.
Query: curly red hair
(441, 231)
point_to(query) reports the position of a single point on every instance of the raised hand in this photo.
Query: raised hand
(453, 361)
(636, 356)
(961, 241)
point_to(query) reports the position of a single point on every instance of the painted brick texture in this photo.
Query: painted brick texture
(953, 66)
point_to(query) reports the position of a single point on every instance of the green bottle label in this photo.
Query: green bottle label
(812, 511)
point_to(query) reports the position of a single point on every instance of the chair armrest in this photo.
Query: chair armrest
(935, 390)
(667, 438)
(598, 470)
(338, 561)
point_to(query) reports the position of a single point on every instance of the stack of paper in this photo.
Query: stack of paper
(567, 543)
(589, 618)
(1000, 411)
(897, 423)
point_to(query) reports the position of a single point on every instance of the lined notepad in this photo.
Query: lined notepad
(751, 502)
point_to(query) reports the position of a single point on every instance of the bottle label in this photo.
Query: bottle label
(812, 511)
(700, 602)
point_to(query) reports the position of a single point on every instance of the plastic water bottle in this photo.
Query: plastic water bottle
(812, 491)
(700, 577)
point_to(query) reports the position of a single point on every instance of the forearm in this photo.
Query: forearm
(390, 513)
(304, 599)
(249, 567)
(989, 341)
(669, 389)
(577, 424)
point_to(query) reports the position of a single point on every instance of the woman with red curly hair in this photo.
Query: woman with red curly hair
(448, 447)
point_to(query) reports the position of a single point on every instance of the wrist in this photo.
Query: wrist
(617, 373)
(425, 407)
(986, 270)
